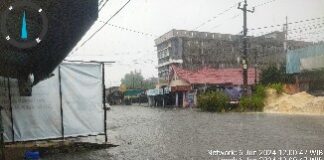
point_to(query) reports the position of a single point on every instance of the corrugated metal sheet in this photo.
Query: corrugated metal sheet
(294, 57)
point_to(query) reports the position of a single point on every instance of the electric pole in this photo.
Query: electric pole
(244, 58)
(255, 66)
(286, 35)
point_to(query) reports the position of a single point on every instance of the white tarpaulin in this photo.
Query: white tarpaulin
(39, 116)
(82, 99)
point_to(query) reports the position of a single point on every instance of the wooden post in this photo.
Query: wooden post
(61, 102)
(104, 101)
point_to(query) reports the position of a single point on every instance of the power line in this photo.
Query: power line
(130, 30)
(290, 23)
(293, 30)
(231, 18)
(262, 4)
(237, 15)
(143, 54)
(307, 28)
(300, 34)
(230, 8)
(97, 31)
(219, 14)
(103, 5)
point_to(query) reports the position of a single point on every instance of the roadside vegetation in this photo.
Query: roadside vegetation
(274, 75)
(220, 102)
(279, 87)
(271, 77)
(254, 102)
(213, 102)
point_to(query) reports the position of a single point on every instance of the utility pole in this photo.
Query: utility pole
(255, 66)
(244, 58)
(286, 35)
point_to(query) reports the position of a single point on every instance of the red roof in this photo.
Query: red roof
(208, 75)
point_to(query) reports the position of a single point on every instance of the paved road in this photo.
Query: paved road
(155, 133)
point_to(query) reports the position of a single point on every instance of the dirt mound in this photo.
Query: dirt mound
(301, 102)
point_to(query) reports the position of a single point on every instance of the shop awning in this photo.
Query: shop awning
(133, 92)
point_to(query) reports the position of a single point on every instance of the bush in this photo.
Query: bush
(260, 91)
(257, 103)
(213, 102)
(253, 103)
(244, 104)
(278, 87)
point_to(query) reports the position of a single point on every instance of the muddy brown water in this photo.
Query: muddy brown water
(156, 133)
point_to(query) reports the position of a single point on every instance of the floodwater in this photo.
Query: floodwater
(156, 133)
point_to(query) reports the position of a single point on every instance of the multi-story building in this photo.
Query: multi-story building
(193, 50)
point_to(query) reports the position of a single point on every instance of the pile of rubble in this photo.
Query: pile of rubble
(301, 102)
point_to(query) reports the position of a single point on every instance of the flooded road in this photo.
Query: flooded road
(155, 133)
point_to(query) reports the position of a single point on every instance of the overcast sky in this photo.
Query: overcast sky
(136, 51)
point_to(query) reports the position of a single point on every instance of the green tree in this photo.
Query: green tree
(273, 75)
(150, 82)
(135, 79)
